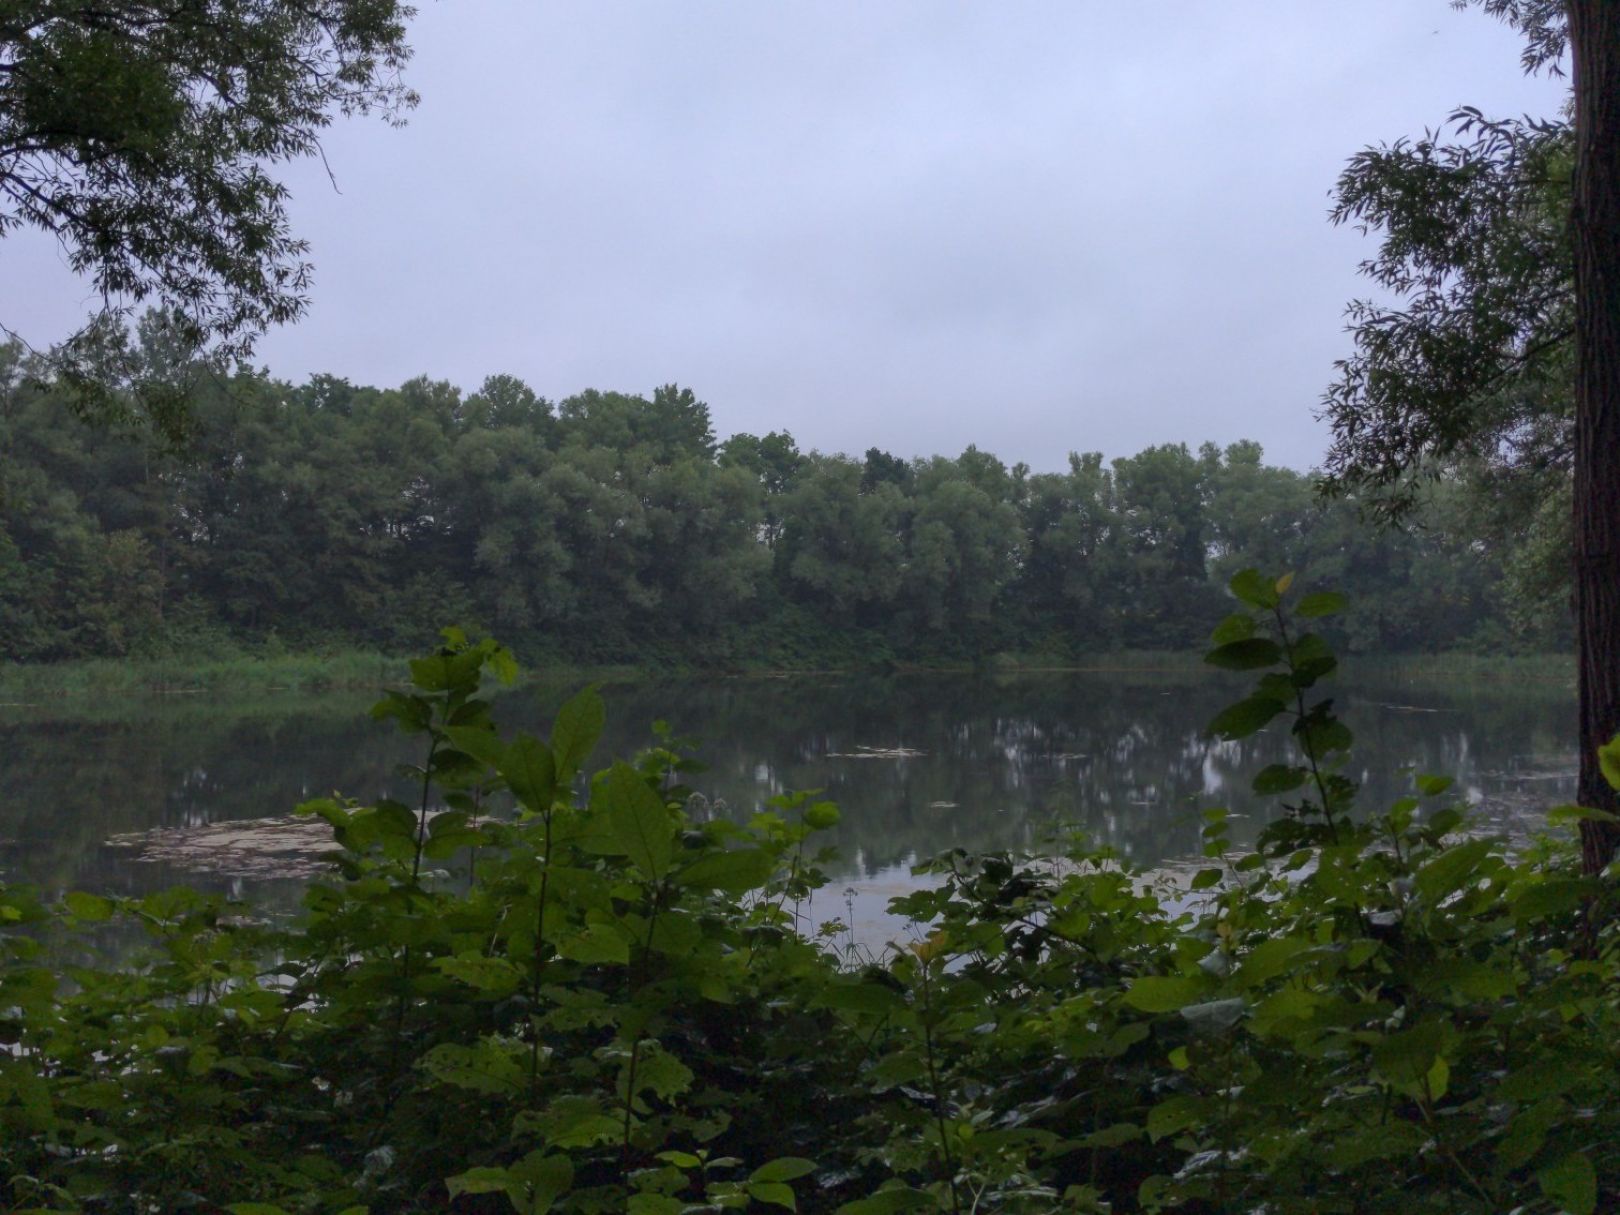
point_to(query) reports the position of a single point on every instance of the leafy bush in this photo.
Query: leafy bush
(613, 1011)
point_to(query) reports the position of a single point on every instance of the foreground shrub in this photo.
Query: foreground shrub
(607, 1006)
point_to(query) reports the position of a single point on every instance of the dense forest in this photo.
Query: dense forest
(610, 526)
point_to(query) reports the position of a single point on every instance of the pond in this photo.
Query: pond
(917, 763)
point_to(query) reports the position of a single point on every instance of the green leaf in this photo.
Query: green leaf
(638, 824)
(494, 975)
(1248, 655)
(1609, 762)
(1279, 778)
(773, 1192)
(1173, 1115)
(491, 1066)
(1269, 959)
(255, 1208)
(821, 816)
(736, 871)
(1159, 994)
(1433, 786)
(1451, 870)
(478, 1181)
(1254, 589)
(88, 906)
(598, 944)
(784, 1168)
(573, 735)
(1322, 603)
(1571, 1183)
(887, 1202)
(1552, 896)
(480, 742)
(530, 772)
(1236, 627)
(1408, 1056)
(1564, 815)
(860, 996)
(1246, 717)
(661, 1073)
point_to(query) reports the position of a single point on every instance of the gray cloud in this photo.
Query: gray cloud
(1035, 226)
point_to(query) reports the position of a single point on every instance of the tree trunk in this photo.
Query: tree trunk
(1594, 29)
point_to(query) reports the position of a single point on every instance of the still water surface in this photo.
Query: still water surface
(999, 762)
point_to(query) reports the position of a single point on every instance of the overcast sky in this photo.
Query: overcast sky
(1034, 226)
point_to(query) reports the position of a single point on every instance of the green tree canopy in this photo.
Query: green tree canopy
(143, 135)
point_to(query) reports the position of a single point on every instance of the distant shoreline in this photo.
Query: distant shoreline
(26, 685)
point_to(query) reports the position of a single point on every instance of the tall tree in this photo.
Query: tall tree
(1594, 34)
(143, 135)
(1497, 277)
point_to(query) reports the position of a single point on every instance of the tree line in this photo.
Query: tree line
(614, 526)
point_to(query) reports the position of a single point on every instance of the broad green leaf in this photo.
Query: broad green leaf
(1236, 627)
(1407, 1056)
(573, 735)
(530, 772)
(773, 1192)
(1563, 815)
(1175, 1114)
(481, 742)
(1159, 994)
(821, 816)
(1279, 778)
(1322, 735)
(597, 944)
(1245, 718)
(479, 1181)
(1609, 761)
(491, 1066)
(255, 1208)
(413, 714)
(860, 996)
(1269, 959)
(1552, 896)
(1247, 655)
(784, 1168)
(1433, 786)
(1321, 603)
(494, 975)
(736, 871)
(636, 821)
(1254, 589)
(1571, 1183)
(88, 906)
(661, 1073)
(538, 1180)
(1451, 870)
(888, 1202)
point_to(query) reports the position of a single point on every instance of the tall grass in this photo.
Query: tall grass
(182, 676)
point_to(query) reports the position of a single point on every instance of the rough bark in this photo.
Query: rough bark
(1594, 28)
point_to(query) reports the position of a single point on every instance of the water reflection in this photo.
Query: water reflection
(980, 763)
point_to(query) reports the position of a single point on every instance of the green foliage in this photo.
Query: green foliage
(613, 1009)
(611, 528)
(143, 135)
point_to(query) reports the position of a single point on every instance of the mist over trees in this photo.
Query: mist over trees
(613, 526)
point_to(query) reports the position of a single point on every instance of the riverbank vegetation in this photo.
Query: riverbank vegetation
(612, 528)
(1374, 1012)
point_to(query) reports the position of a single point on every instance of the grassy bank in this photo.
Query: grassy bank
(23, 684)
